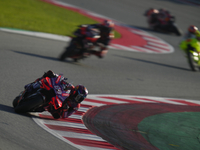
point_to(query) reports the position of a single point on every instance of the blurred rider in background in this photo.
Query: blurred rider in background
(152, 17)
(106, 33)
(192, 32)
(157, 18)
(191, 39)
(164, 16)
(71, 104)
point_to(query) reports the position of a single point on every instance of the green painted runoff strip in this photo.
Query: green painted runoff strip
(172, 131)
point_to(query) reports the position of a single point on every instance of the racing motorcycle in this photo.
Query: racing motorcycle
(75, 48)
(46, 94)
(167, 25)
(191, 48)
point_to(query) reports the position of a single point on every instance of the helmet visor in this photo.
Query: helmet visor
(79, 98)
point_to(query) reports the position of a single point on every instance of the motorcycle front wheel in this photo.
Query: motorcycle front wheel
(176, 30)
(69, 51)
(66, 53)
(15, 101)
(193, 64)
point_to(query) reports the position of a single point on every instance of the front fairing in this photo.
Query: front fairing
(193, 42)
(61, 94)
(196, 45)
(196, 56)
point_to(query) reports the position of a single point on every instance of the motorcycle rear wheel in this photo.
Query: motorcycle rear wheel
(30, 103)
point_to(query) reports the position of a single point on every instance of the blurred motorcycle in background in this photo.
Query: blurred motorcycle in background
(161, 20)
(191, 48)
(80, 48)
(89, 40)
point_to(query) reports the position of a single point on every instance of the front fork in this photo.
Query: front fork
(196, 56)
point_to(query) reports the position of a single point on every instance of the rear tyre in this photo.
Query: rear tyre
(29, 104)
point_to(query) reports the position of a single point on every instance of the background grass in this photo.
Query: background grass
(36, 15)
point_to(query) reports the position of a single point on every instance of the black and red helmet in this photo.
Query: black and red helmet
(192, 29)
(108, 23)
(80, 93)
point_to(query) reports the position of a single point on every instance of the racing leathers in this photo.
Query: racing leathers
(84, 33)
(69, 106)
(191, 43)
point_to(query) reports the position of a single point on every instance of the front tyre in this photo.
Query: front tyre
(15, 101)
(29, 104)
(69, 51)
(176, 30)
(63, 55)
(193, 64)
(56, 116)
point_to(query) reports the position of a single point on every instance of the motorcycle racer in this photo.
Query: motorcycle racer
(190, 43)
(191, 47)
(192, 32)
(191, 39)
(49, 74)
(164, 16)
(70, 105)
(105, 29)
(158, 18)
(152, 17)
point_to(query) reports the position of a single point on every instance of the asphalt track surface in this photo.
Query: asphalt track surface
(24, 58)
